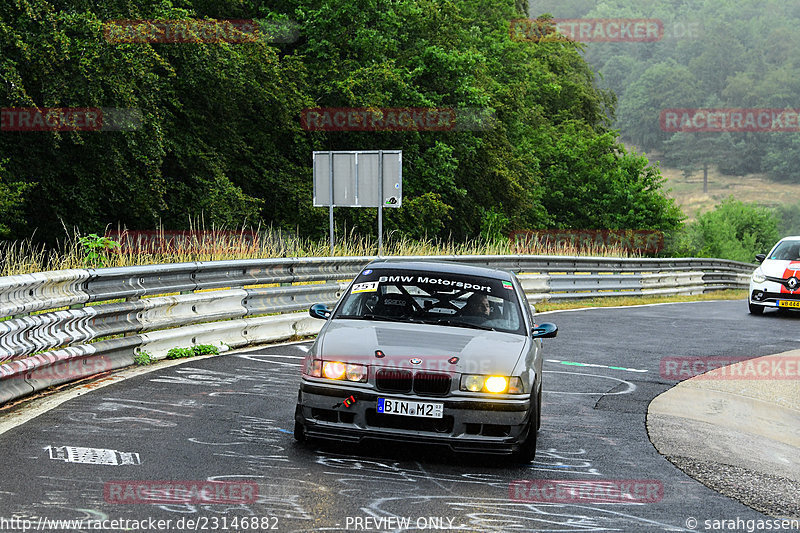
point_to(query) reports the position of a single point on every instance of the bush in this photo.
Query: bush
(732, 230)
(142, 359)
(199, 349)
(788, 219)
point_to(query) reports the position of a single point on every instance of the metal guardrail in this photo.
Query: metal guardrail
(65, 325)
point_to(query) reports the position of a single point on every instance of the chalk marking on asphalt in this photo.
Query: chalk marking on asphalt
(248, 356)
(630, 389)
(573, 363)
(43, 404)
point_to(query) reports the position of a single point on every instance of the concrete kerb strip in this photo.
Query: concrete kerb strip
(50, 400)
(749, 425)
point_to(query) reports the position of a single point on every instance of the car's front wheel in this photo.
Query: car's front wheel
(755, 309)
(527, 448)
(539, 410)
(299, 429)
(299, 432)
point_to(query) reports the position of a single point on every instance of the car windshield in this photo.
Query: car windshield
(434, 298)
(786, 250)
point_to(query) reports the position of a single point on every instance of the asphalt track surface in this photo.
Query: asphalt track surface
(230, 418)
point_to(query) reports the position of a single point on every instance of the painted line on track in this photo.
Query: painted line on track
(593, 365)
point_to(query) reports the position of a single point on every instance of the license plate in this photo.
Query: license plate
(410, 408)
(788, 303)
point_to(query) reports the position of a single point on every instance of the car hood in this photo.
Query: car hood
(778, 268)
(431, 347)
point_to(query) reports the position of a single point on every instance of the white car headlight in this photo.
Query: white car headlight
(758, 276)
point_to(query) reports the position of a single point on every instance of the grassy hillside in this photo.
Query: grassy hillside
(688, 192)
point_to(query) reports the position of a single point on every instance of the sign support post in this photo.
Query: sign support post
(356, 178)
(330, 209)
(380, 204)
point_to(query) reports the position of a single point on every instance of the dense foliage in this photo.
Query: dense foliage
(733, 230)
(221, 135)
(714, 54)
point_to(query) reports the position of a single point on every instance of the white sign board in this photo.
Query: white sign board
(371, 178)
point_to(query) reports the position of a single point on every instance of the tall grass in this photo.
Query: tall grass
(23, 257)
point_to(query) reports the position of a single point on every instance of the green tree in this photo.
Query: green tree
(594, 183)
(220, 135)
(12, 199)
(732, 230)
(663, 86)
(691, 151)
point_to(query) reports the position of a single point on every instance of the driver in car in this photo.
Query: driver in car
(478, 307)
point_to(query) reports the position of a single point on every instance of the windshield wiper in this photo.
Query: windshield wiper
(458, 323)
(371, 316)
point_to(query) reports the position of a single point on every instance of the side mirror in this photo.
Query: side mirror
(545, 330)
(320, 311)
(760, 257)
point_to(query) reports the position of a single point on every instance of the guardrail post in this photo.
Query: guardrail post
(131, 299)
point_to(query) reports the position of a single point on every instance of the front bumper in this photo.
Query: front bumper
(468, 424)
(768, 294)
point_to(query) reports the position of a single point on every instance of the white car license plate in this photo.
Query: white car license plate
(788, 303)
(410, 408)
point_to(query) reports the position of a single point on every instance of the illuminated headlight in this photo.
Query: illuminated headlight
(336, 370)
(493, 384)
(758, 276)
(333, 369)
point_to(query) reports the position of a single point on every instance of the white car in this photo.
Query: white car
(776, 283)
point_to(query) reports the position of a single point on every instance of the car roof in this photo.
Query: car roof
(449, 267)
